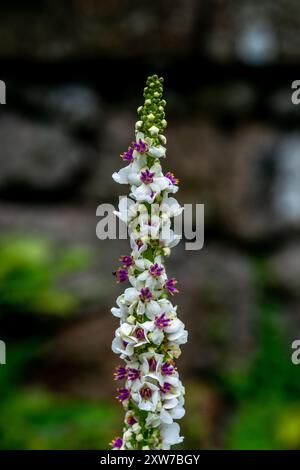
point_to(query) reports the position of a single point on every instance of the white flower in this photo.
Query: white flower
(128, 337)
(145, 227)
(130, 173)
(168, 238)
(119, 347)
(168, 416)
(138, 246)
(153, 276)
(147, 396)
(170, 434)
(157, 152)
(151, 363)
(176, 332)
(149, 184)
(174, 390)
(122, 310)
(128, 209)
(169, 207)
(141, 302)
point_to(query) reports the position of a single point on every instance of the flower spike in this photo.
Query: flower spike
(150, 333)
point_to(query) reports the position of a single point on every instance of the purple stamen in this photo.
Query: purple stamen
(151, 223)
(162, 321)
(121, 275)
(126, 260)
(140, 146)
(117, 443)
(166, 388)
(170, 286)
(123, 394)
(133, 374)
(131, 420)
(128, 155)
(146, 392)
(139, 333)
(156, 270)
(121, 373)
(171, 177)
(147, 176)
(139, 244)
(145, 294)
(167, 369)
(152, 364)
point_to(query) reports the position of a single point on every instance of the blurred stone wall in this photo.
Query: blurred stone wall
(74, 72)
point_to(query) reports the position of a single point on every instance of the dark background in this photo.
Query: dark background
(74, 73)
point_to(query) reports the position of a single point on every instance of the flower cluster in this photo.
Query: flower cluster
(150, 333)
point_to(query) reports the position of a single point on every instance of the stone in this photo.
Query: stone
(286, 194)
(220, 31)
(70, 226)
(40, 157)
(194, 152)
(79, 360)
(245, 203)
(216, 301)
(76, 29)
(75, 106)
(284, 269)
(259, 187)
(118, 133)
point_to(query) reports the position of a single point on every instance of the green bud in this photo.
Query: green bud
(152, 117)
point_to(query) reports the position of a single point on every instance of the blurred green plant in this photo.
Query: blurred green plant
(35, 419)
(266, 393)
(31, 269)
(32, 272)
(32, 418)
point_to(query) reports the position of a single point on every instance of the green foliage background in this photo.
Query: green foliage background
(259, 402)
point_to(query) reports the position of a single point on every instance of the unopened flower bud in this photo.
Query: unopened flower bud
(153, 130)
(166, 251)
(127, 435)
(136, 428)
(163, 139)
